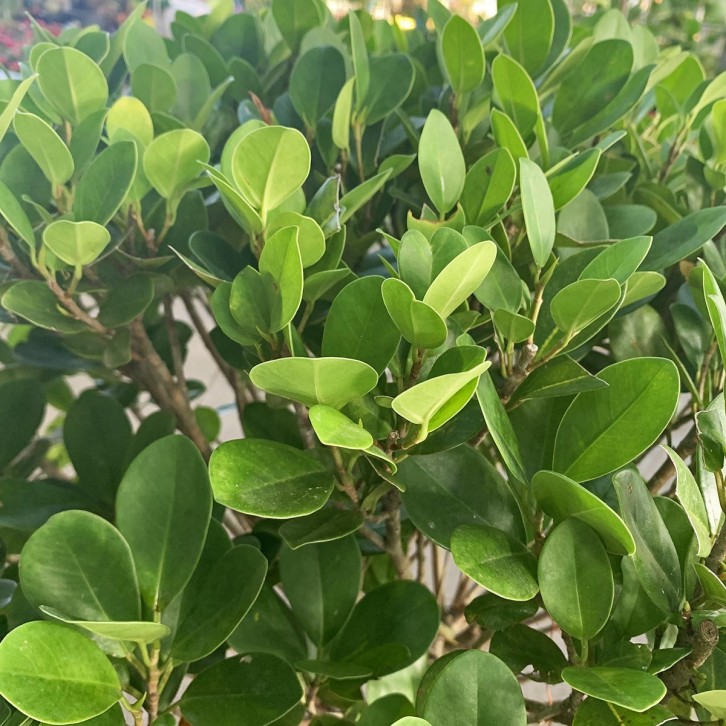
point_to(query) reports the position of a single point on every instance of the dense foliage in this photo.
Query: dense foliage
(466, 287)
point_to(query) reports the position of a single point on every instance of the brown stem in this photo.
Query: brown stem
(306, 429)
(703, 642)
(152, 686)
(520, 372)
(176, 350)
(394, 546)
(69, 303)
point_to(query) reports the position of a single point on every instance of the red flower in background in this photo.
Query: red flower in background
(15, 36)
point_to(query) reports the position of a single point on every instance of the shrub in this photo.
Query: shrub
(466, 290)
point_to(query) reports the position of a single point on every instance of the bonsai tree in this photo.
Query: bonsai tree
(464, 286)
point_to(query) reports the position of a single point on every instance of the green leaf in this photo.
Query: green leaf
(528, 35)
(325, 525)
(143, 44)
(155, 86)
(713, 589)
(354, 199)
(165, 490)
(691, 499)
(489, 184)
(519, 646)
(500, 428)
(463, 692)
(607, 428)
(575, 579)
(76, 684)
(321, 582)
(625, 687)
(172, 161)
(511, 326)
(311, 238)
(417, 322)
(441, 162)
(455, 487)
(516, 92)
(343, 112)
(270, 164)
(496, 561)
(76, 243)
(592, 83)
(45, 146)
(539, 211)
(34, 301)
(96, 200)
(462, 54)
(390, 628)
(561, 376)
(316, 80)
(282, 272)
(329, 381)
(655, 559)
(391, 80)
(294, 18)
(126, 301)
(568, 180)
(685, 237)
(72, 82)
(234, 202)
(582, 302)
(263, 687)
(460, 278)
(334, 428)
(361, 65)
(211, 611)
(358, 325)
(268, 479)
(507, 136)
(618, 261)
(22, 406)
(433, 402)
(139, 631)
(560, 498)
(79, 564)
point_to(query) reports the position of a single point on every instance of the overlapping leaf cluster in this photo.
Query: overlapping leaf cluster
(460, 283)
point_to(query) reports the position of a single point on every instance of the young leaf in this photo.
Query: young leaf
(172, 161)
(334, 428)
(268, 479)
(539, 211)
(516, 93)
(329, 381)
(281, 269)
(417, 322)
(488, 186)
(441, 162)
(76, 243)
(45, 146)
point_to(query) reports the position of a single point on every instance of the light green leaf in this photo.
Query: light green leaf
(619, 260)
(310, 238)
(72, 82)
(496, 561)
(575, 579)
(269, 165)
(607, 428)
(441, 162)
(691, 499)
(417, 322)
(713, 701)
(14, 214)
(716, 307)
(342, 112)
(516, 93)
(539, 211)
(282, 271)
(488, 186)
(334, 428)
(76, 684)
(8, 113)
(507, 136)
(268, 479)
(512, 327)
(625, 687)
(582, 302)
(172, 161)
(329, 381)
(460, 278)
(76, 243)
(45, 146)
(714, 590)
(462, 54)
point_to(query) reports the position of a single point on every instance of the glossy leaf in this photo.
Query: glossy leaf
(607, 428)
(625, 687)
(268, 479)
(417, 322)
(539, 211)
(76, 243)
(575, 579)
(489, 184)
(165, 491)
(581, 303)
(496, 561)
(325, 525)
(334, 428)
